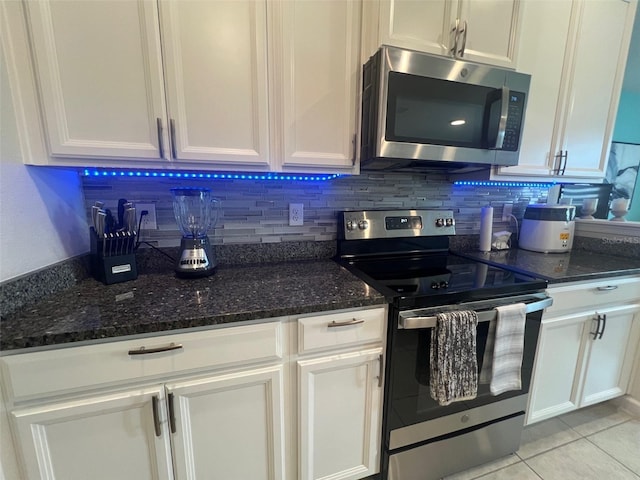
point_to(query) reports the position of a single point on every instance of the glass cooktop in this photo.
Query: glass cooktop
(440, 276)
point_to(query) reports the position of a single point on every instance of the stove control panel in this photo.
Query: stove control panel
(366, 224)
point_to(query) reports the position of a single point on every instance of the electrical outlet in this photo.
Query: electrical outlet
(296, 214)
(507, 209)
(149, 221)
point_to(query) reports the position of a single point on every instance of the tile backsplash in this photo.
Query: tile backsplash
(257, 211)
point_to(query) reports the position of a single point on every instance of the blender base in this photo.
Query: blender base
(196, 258)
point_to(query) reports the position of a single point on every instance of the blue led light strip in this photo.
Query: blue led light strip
(503, 184)
(125, 173)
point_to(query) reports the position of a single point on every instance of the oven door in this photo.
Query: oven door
(413, 416)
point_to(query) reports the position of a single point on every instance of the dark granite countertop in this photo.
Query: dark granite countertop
(559, 267)
(162, 302)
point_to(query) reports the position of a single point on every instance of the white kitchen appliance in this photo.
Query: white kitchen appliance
(548, 228)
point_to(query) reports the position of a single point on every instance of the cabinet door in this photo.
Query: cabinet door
(557, 368)
(607, 370)
(101, 438)
(487, 30)
(216, 76)
(542, 42)
(229, 426)
(418, 25)
(99, 73)
(491, 31)
(339, 415)
(595, 63)
(320, 84)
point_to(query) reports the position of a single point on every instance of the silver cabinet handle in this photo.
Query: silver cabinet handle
(172, 415)
(561, 160)
(456, 32)
(156, 416)
(353, 159)
(381, 371)
(160, 137)
(607, 288)
(597, 332)
(145, 351)
(604, 325)
(353, 321)
(465, 30)
(172, 131)
(566, 159)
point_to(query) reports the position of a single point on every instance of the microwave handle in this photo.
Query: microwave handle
(504, 115)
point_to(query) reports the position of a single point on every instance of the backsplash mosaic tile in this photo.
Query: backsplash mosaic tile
(257, 211)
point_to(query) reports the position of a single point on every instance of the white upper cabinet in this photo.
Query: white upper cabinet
(253, 85)
(488, 31)
(483, 31)
(215, 61)
(99, 70)
(319, 89)
(543, 40)
(595, 71)
(575, 52)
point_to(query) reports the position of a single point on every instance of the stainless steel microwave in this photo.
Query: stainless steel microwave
(420, 110)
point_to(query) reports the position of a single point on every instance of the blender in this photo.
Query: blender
(196, 211)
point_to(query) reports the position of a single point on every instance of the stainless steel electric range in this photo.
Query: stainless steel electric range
(405, 255)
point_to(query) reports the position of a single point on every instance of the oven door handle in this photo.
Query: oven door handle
(412, 323)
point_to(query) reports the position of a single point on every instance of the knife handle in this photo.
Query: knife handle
(121, 207)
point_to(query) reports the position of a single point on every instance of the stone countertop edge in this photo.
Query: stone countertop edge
(557, 268)
(162, 303)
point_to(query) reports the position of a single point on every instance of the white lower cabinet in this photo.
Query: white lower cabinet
(339, 415)
(229, 426)
(586, 347)
(339, 368)
(217, 404)
(212, 423)
(103, 437)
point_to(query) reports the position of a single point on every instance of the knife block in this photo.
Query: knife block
(111, 268)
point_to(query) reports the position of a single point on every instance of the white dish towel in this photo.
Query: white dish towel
(503, 353)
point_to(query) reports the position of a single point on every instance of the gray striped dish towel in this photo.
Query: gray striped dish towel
(452, 357)
(502, 361)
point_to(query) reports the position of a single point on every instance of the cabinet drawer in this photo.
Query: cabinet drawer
(594, 295)
(340, 329)
(74, 368)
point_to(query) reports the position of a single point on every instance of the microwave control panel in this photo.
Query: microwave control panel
(514, 122)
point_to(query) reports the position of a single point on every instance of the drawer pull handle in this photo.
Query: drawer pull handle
(607, 288)
(144, 350)
(353, 321)
(156, 416)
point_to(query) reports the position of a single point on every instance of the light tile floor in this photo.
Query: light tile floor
(593, 443)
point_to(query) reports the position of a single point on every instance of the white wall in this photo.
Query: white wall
(42, 217)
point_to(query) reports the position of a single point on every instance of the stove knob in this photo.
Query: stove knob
(443, 284)
(450, 222)
(363, 224)
(435, 285)
(440, 222)
(350, 225)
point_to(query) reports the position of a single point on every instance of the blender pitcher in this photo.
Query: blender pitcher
(196, 211)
